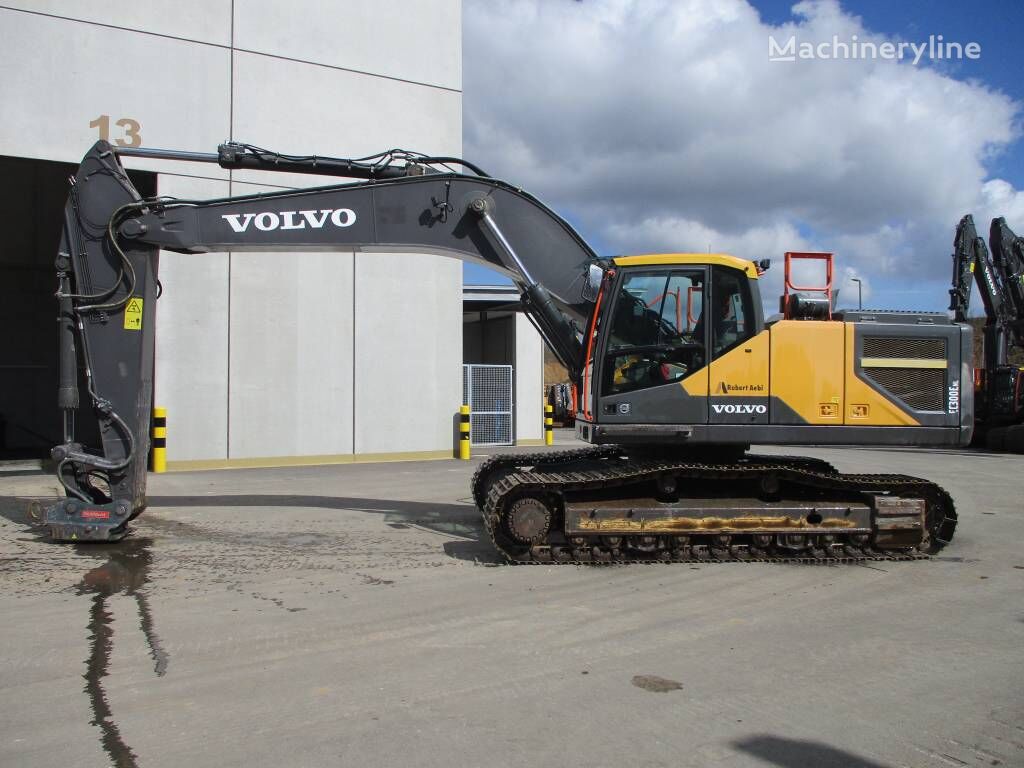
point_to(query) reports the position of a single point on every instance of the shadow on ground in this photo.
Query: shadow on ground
(16, 508)
(966, 452)
(792, 753)
(462, 520)
(454, 520)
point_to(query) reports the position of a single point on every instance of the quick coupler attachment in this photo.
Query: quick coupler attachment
(76, 520)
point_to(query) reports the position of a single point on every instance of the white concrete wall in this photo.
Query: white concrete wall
(417, 42)
(291, 354)
(408, 358)
(59, 75)
(529, 372)
(296, 107)
(263, 355)
(193, 340)
(207, 21)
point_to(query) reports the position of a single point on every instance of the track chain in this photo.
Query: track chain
(501, 479)
(501, 461)
(492, 465)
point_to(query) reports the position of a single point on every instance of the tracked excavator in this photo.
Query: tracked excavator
(669, 401)
(999, 276)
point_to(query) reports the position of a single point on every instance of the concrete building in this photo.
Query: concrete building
(261, 358)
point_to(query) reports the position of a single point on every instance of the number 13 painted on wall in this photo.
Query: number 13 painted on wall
(131, 128)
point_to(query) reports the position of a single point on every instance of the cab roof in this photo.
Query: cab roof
(719, 259)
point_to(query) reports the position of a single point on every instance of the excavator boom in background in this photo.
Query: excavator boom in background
(999, 276)
(674, 369)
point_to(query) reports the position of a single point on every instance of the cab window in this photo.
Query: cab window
(654, 337)
(732, 310)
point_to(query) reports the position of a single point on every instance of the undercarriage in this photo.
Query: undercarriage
(605, 505)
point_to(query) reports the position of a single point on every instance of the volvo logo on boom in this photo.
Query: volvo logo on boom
(744, 408)
(269, 221)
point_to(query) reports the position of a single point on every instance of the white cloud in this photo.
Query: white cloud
(670, 234)
(663, 126)
(999, 198)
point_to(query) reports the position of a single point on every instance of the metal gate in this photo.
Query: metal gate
(487, 389)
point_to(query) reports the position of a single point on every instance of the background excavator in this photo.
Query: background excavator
(670, 407)
(999, 275)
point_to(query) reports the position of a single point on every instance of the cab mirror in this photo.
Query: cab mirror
(592, 283)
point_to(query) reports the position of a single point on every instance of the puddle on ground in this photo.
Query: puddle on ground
(124, 572)
(656, 684)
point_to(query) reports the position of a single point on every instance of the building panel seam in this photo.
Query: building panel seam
(230, 48)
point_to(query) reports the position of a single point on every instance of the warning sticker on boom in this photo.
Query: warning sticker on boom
(133, 315)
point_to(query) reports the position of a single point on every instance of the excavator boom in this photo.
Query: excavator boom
(107, 271)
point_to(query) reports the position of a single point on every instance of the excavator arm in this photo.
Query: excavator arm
(1008, 262)
(965, 246)
(108, 264)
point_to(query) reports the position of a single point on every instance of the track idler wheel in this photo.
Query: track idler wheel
(529, 520)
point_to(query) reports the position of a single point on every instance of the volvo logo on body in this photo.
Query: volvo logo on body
(269, 221)
(744, 408)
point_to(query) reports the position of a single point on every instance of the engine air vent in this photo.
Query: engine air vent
(904, 347)
(923, 389)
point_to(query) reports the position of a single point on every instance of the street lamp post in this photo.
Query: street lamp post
(860, 302)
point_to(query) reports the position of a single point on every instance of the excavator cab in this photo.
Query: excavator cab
(668, 325)
(663, 320)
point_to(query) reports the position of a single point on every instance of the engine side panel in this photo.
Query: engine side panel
(807, 372)
(902, 374)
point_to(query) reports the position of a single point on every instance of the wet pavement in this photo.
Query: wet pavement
(353, 615)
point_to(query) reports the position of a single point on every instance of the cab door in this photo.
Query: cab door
(654, 351)
(739, 351)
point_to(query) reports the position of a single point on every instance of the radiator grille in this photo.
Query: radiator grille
(923, 389)
(897, 346)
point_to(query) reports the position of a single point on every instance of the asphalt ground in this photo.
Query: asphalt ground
(353, 615)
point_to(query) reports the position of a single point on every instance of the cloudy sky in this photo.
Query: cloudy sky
(661, 126)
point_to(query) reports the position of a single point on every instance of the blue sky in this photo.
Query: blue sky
(873, 161)
(996, 25)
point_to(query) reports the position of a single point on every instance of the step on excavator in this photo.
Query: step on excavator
(670, 397)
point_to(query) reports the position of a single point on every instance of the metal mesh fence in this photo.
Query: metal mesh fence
(487, 389)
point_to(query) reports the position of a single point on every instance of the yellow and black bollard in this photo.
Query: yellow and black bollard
(549, 425)
(464, 432)
(159, 439)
